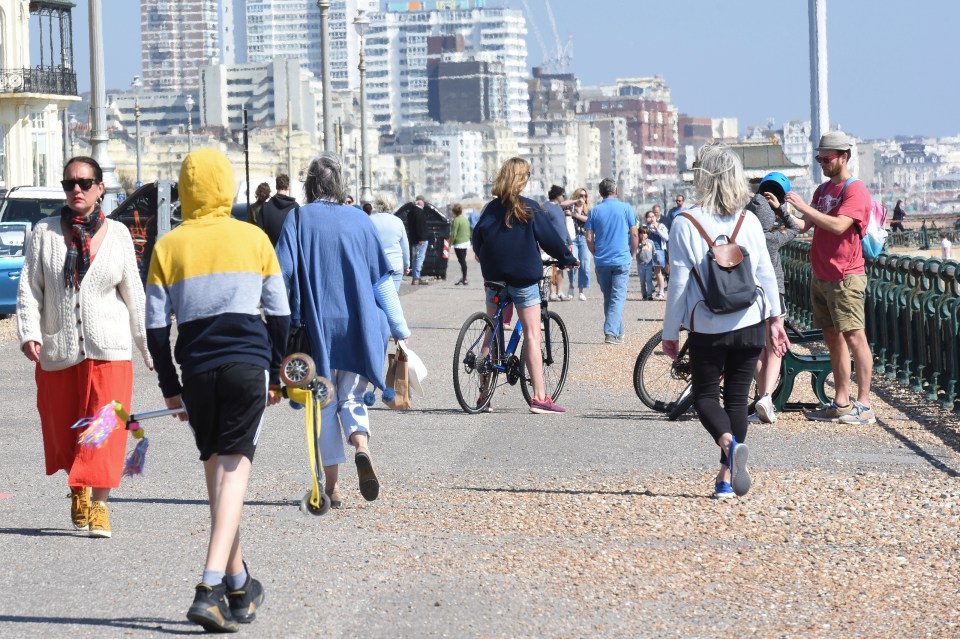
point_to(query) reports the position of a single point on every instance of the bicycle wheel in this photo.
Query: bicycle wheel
(556, 361)
(475, 374)
(657, 380)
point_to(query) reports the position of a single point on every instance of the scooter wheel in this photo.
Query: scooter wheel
(323, 391)
(297, 370)
(308, 509)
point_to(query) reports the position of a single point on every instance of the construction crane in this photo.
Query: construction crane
(558, 60)
(536, 30)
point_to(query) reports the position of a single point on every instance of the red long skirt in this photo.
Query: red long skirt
(65, 396)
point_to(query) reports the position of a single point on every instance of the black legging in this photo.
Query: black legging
(710, 357)
(462, 258)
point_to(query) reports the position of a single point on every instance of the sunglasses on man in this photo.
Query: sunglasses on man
(85, 184)
(823, 159)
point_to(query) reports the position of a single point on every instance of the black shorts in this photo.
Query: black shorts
(225, 407)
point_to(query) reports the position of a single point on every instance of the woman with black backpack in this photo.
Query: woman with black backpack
(723, 289)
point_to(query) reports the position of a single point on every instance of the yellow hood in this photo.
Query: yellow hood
(206, 185)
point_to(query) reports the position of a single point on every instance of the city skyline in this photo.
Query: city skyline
(877, 89)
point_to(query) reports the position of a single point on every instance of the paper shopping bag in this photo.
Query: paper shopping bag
(398, 378)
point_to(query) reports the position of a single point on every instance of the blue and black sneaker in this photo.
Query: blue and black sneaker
(739, 475)
(722, 490)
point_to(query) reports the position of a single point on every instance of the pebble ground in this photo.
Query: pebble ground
(598, 523)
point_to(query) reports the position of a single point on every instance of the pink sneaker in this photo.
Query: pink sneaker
(545, 406)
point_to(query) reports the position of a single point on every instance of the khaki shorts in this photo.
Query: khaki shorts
(839, 304)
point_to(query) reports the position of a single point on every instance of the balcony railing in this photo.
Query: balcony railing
(42, 80)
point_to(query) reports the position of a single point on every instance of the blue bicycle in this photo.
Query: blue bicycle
(483, 354)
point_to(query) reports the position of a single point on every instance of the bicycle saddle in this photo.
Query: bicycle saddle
(496, 287)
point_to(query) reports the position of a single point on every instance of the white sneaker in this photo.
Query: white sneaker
(583, 298)
(570, 294)
(765, 410)
(554, 297)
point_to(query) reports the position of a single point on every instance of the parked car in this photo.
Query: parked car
(13, 240)
(31, 204)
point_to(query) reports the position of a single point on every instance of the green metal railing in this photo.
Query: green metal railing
(912, 307)
(924, 238)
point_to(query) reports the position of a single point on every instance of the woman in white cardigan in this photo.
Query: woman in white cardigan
(80, 307)
(721, 345)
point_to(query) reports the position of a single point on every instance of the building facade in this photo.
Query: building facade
(291, 28)
(177, 38)
(34, 93)
(397, 53)
(275, 93)
(651, 125)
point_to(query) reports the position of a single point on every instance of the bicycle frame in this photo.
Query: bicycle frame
(502, 300)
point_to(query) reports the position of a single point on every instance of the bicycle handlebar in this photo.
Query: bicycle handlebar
(557, 263)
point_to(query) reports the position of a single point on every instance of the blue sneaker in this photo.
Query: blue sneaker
(722, 490)
(739, 475)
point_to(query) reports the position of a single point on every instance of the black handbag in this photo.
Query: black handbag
(298, 340)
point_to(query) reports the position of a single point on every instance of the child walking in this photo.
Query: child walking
(215, 274)
(645, 264)
(767, 205)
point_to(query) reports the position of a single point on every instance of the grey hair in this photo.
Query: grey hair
(722, 188)
(608, 186)
(324, 179)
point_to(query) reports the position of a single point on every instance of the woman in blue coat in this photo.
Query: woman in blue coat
(349, 306)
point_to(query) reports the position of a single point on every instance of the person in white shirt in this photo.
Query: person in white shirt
(728, 344)
(946, 247)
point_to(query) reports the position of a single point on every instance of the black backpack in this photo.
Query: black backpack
(729, 286)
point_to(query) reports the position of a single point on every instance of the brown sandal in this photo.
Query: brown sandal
(369, 485)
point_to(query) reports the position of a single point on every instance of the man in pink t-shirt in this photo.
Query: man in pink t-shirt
(839, 214)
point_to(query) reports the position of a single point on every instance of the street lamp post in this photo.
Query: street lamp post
(136, 86)
(98, 101)
(362, 24)
(188, 105)
(324, 6)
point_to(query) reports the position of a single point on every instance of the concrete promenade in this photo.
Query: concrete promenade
(597, 523)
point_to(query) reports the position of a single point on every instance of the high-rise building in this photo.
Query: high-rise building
(233, 32)
(291, 28)
(177, 38)
(651, 120)
(397, 53)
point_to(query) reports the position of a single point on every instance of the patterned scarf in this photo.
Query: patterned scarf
(78, 255)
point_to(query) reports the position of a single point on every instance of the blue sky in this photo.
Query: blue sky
(892, 72)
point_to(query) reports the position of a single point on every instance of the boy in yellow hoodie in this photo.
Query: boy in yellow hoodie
(214, 274)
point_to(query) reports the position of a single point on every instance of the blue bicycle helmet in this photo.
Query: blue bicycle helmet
(776, 183)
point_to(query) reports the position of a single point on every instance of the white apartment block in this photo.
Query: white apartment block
(499, 145)
(444, 161)
(291, 28)
(796, 142)
(618, 160)
(396, 49)
(177, 38)
(464, 155)
(275, 93)
(233, 32)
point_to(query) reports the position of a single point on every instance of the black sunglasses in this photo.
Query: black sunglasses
(85, 184)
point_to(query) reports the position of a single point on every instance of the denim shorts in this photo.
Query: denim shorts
(522, 296)
(659, 258)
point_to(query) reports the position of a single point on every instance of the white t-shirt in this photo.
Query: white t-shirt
(946, 249)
